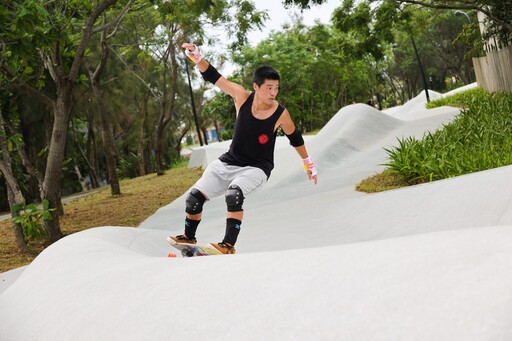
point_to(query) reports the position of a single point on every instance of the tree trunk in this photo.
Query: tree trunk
(205, 134)
(158, 149)
(52, 183)
(106, 132)
(183, 132)
(110, 155)
(92, 172)
(143, 157)
(81, 179)
(90, 154)
(217, 129)
(108, 142)
(17, 228)
(166, 115)
(14, 194)
(25, 160)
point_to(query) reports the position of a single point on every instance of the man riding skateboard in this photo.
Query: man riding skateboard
(250, 159)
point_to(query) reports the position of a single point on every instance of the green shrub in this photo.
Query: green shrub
(479, 138)
(227, 134)
(31, 220)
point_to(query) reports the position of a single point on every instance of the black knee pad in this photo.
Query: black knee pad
(194, 202)
(234, 199)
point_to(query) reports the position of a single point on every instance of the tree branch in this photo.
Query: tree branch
(45, 100)
(135, 74)
(104, 57)
(468, 6)
(86, 35)
(47, 61)
(115, 21)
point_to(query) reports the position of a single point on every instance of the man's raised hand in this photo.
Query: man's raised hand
(192, 51)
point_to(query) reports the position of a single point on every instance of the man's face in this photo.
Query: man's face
(268, 90)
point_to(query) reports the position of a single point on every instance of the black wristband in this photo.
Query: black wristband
(211, 74)
(295, 138)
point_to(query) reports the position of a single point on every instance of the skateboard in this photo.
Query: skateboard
(192, 250)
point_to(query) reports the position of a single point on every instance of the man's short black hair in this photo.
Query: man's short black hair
(263, 73)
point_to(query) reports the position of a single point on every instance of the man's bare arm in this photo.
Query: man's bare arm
(289, 128)
(236, 91)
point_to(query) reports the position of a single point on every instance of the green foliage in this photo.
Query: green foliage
(227, 134)
(189, 140)
(247, 18)
(480, 138)
(31, 219)
(221, 109)
(179, 162)
(500, 26)
(359, 20)
(24, 28)
(442, 54)
(318, 75)
(128, 166)
(498, 21)
(462, 99)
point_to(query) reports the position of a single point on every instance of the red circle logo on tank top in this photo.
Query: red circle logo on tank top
(263, 138)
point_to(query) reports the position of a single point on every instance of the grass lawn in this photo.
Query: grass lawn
(140, 198)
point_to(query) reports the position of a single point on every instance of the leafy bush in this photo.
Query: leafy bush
(479, 138)
(31, 219)
(227, 134)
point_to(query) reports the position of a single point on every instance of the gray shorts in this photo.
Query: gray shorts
(218, 176)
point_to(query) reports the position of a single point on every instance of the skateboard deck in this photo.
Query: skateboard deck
(192, 250)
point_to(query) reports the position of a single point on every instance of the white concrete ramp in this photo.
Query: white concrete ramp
(428, 262)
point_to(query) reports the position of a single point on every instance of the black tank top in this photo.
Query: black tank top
(253, 140)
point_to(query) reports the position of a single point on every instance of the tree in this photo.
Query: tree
(49, 28)
(220, 111)
(95, 77)
(498, 15)
(183, 21)
(443, 57)
(329, 77)
(137, 84)
(426, 44)
(13, 190)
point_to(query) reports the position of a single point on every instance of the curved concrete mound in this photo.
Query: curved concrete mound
(429, 262)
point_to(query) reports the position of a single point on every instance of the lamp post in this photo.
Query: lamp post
(196, 119)
(423, 77)
(420, 65)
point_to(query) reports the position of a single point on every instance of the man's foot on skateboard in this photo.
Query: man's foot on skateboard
(182, 239)
(224, 248)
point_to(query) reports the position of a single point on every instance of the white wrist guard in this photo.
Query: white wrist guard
(309, 166)
(194, 55)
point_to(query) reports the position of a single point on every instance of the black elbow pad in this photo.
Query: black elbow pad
(295, 138)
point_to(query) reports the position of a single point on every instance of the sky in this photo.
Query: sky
(278, 16)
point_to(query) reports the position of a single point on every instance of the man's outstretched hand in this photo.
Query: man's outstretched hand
(192, 51)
